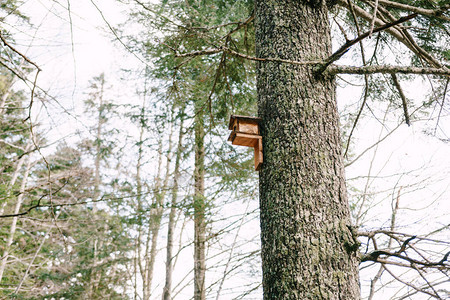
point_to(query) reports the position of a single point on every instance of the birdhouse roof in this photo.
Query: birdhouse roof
(243, 118)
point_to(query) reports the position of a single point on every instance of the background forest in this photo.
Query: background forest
(117, 180)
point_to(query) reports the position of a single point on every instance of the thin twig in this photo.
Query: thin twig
(69, 11)
(426, 281)
(408, 284)
(114, 32)
(366, 77)
(240, 25)
(442, 105)
(375, 144)
(366, 93)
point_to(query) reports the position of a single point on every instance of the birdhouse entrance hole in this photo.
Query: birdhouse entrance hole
(245, 132)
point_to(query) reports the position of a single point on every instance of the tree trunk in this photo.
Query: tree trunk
(156, 213)
(13, 227)
(97, 243)
(199, 207)
(98, 145)
(139, 210)
(308, 250)
(167, 293)
(14, 177)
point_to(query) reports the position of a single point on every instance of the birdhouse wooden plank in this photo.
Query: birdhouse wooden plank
(258, 154)
(244, 124)
(245, 132)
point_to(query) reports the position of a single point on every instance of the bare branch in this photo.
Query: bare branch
(148, 8)
(422, 53)
(114, 32)
(365, 97)
(374, 256)
(421, 290)
(405, 244)
(18, 52)
(403, 97)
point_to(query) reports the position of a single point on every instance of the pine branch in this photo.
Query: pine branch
(241, 55)
(197, 53)
(394, 31)
(438, 13)
(344, 48)
(386, 16)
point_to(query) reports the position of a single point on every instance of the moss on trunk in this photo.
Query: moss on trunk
(305, 220)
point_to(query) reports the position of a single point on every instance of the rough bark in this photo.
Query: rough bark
(308, 249)
(199, 208)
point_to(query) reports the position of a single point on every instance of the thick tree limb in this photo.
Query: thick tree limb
(331, 69)
(385, 69)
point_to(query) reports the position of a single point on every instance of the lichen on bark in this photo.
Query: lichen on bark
(305, 217)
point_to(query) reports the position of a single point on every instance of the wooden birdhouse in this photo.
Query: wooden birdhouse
(245, 132)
